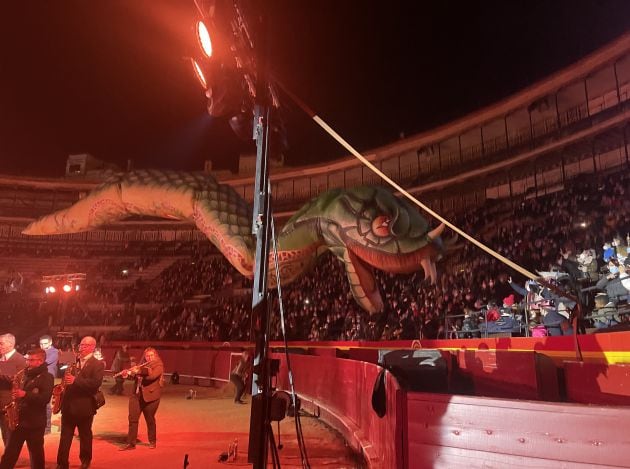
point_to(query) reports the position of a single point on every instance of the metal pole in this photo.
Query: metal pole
(260, 426)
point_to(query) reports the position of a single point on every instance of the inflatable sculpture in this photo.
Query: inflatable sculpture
(364, 227)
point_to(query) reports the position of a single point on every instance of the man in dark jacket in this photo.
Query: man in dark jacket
(11, 361)
(145, 397)
(79, 406)
(239, 376)
(31, 399)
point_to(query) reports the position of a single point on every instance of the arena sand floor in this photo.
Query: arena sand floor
(202, 428)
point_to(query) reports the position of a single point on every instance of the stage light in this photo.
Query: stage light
(67, 288)
(76, 287)
(51, 289)
(203, 36)
(199, 72)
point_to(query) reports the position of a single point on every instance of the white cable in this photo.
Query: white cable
(399, 188)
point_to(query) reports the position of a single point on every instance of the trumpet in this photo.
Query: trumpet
(131, 371)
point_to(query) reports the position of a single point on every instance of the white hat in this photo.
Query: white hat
(562, 310)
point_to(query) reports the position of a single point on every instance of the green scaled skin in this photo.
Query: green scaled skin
(364, 227)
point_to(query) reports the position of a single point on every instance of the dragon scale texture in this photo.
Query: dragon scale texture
(365, 227)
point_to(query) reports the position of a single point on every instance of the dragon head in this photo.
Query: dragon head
(370, 227)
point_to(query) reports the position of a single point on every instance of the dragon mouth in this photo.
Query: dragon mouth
(363, 258)
(394, 263)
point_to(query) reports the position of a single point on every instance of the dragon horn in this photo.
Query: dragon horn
(435, 232)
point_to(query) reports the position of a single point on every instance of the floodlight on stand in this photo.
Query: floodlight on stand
(203, 36)
(199, 73)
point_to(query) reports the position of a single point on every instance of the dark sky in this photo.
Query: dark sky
(110, 77)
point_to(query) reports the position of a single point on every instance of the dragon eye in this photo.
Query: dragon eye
(380, 226)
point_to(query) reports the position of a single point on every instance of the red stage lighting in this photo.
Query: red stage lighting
(203, 36)
(199, 72)
(67, 288)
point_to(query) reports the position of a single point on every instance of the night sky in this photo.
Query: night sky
(111, 78)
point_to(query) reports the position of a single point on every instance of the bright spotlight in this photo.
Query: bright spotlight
(203, 36)
(51, 289)
(76, 287)
(67, 288)
(200, 75)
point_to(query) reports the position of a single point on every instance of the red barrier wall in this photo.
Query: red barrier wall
(343, 390)
(423, 430)
(611, 347)
(514, 375)
(592, 383)
(475, 432)
(188, 363)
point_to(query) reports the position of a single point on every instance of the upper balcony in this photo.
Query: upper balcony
(568, 110)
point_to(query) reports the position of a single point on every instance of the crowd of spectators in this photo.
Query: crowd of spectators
(203, 298)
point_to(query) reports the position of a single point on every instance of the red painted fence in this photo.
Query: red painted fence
(196, 365)
(592, 383)
(423, 430)
(475, 432)
(343, 391)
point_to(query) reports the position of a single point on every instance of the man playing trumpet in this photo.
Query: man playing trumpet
(145, 397)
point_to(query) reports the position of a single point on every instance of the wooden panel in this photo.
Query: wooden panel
(441, 457)
(343, 390)
(496, 432)
(500, 373)
(593, 383)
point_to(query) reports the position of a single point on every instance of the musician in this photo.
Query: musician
(78, 406)
(239, 376)
(32, 398)
(52, 354)
(145, 398)
(121, 362)
(11, 362)
(52, 359)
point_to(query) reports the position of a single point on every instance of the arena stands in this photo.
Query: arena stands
(541, 178)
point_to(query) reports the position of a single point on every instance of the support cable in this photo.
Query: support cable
(298, 423)
(330, 131)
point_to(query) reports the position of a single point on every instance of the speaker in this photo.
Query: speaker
(423, 370)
